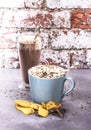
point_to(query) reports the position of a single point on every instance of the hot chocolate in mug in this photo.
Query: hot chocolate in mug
(47, 83)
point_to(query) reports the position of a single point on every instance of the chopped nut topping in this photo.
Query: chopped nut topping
(47, 71)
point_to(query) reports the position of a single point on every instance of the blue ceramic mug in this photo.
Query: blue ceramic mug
(48, 89)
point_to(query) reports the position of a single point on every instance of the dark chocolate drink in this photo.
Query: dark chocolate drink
(29, 55)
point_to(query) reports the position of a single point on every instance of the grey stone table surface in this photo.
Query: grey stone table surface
(77, 104)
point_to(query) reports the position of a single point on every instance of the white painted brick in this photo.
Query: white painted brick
(74, 45)
(9, 53)
(45, 19)
(20, 18)
(88, 58)
(68, 3)
(12, 18)
(44, 34)
(69, 39)
(62, 19)
(7, 38)
(60, 58)
(12, 3)
(78, 58)
(34, 3)
(1, 58)
(35, 18)
(9, 58)
(1, 15)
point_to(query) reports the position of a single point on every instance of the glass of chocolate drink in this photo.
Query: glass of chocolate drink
(29, 55)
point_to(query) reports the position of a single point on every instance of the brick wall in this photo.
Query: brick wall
(65, 30)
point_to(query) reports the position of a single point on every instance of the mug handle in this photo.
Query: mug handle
(71, 88)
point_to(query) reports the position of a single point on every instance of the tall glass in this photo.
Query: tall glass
(29, 55)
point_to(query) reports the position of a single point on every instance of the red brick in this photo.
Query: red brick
(41, 19)
(81, 19)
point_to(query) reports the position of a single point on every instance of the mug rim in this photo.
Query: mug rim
(45, 78)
